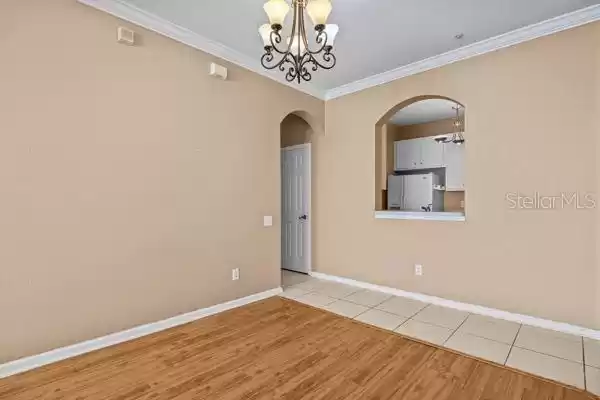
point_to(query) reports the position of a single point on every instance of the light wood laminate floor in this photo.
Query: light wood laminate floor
(278, 349)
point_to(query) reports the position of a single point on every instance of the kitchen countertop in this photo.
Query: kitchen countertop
(420, 215)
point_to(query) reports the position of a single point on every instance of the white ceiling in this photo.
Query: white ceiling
(375, 35)
(424, 111)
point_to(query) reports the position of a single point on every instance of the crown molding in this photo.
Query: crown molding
(161, 26)
(156, 24)
(544, 28)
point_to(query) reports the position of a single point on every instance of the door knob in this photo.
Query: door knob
(303, 217)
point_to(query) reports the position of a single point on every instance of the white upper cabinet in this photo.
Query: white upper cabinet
(426, 153)
(432, 153)
(407, 154)
(419, 153)
(454, 160)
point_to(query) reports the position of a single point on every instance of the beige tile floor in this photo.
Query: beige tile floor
(558, 356)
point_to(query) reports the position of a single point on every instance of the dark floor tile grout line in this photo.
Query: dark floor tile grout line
(583, 360)
(548, 355)
(418, 312)
(402, 323)
(408, 318)
(366, 311)
(457, 328)
(513, 343)
(365, 305)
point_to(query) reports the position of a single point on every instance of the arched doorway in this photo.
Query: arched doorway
(421, 141)
(296, 216)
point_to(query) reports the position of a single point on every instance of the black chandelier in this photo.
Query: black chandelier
(459, 127)
(296, 56)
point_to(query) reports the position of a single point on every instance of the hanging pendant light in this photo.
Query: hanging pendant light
(459, 127)
(296, 55)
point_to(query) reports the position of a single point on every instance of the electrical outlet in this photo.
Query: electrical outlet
(235, 274)
(418, 270)
(462, 204)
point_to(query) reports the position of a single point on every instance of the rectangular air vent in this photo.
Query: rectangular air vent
(125, 36)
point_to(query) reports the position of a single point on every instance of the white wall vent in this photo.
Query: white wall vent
(218, 71)
(125, 36)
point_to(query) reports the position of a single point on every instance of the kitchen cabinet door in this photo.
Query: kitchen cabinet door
(432, 153)
(407, 154)
(454, 160)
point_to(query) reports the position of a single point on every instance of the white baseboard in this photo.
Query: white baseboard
(32, 362)
(472, 308)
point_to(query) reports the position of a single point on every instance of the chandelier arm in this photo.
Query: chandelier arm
(306, 59)
(268, 57)
(306, 75)
(328, 57)
(275, 34)
(292, 73)
(275, 38)
(303, 70)
(321, 36)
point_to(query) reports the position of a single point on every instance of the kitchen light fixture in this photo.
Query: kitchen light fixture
(459, 127)
(296, 54)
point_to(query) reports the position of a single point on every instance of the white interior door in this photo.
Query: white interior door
(295, 208)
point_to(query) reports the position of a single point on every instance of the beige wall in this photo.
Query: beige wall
(597, 237)
(531, 126)
(295, 131)
(131, 182)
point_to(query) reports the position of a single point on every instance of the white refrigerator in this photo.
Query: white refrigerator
(415, 192)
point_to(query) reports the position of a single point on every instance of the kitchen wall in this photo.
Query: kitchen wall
(454, 201)
(404, 132)
(131, 182)
(531, 127)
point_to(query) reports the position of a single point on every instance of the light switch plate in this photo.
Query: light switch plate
(418, 270)
(268, 220)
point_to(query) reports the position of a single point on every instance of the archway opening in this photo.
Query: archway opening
(420, 156)
(295, 131)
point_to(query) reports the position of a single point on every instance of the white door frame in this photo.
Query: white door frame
(308, 181)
